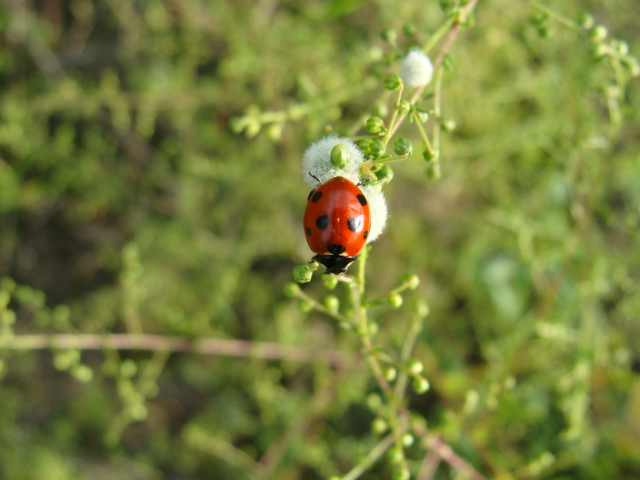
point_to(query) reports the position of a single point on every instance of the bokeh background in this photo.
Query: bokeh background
(130, 201)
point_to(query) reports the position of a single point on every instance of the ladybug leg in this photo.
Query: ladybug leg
(313, 176)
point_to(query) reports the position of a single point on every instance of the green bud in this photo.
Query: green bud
(390, 374)
(375, 125)
(393, 83)
(82, 373)
(303, 273)
(421, 307)
(448, 124)
(400, 474)
(364, 145)
(414, 366)
(412, 281)
(407, 439)
(403, 107)
(389, 36)
(621, 47)
(376, 147)
(586, 21)
(374, 401)
(433, 171)
(633, 66)
(430, 155)
(422, 114)
(383, 175)
(598, 50)
(291, 289)
(409, 29)
(395, 300)
(305, 306)
(395, 456)
(403, 147)
(330, 281)
(66, 359)
(379, 426)
(128, 368)
(274, 131)
(331, 303)
(340, 155)
(345, 326)
(598, 34)
(420, 385)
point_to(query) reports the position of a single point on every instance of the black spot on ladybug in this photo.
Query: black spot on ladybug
(316, 196)
(362, 199)
(356, 224)
(308, 231)
(336, 249)
(322, 222)
(366, 234)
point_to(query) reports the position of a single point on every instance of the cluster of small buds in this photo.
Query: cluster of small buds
(334, 156)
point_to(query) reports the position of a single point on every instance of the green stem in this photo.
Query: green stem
(394, 116)
(556, 16)
(373, 361)
(370, 459)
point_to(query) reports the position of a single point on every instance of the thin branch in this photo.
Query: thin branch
(448, 42)
(204, 346)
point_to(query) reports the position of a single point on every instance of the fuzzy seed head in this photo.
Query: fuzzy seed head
(378, 209)
(416, 69)
(317, 160)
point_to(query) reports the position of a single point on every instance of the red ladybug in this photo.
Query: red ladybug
(336, 223)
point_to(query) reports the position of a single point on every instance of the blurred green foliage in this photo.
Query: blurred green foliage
(128, 204)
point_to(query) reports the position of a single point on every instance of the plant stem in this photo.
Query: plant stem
(374, 364)
(204, 346)
(370, 459)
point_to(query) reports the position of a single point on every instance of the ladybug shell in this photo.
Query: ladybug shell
(337, 219)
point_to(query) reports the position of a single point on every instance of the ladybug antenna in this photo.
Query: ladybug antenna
(312, 175)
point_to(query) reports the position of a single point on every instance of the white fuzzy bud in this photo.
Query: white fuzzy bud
(416, 69)
(317, 161)
(378, 210)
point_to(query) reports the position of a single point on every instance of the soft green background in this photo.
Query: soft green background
(127, 200)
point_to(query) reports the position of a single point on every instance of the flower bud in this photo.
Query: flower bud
(598, 34)
(375, 125)
(403, 107)
(340, 155)
(433, 171)
(586, 21)
(332, 303)
(420, 385)
(389, 36)
(393, 83)
(395, 300)
(448, 124)
(291, 289)
(390, 374)
(412, 281)
(430, 155)
(303, 273)
(305, 306)
(379, 426)
(415, 366)
(403, 147)
(409, 29)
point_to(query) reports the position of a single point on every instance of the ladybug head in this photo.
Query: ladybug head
(335, 264)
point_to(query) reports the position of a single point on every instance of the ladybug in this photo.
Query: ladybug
(336, 223)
